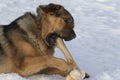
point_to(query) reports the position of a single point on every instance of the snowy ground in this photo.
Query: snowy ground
(97, 46)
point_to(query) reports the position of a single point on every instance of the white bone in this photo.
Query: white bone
(63, 48)
(75, 74)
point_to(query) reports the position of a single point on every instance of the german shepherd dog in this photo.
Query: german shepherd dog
(27, 44)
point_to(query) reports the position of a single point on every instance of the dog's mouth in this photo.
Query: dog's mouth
(51, 38)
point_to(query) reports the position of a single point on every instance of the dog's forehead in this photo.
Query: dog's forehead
(59, 10)
(55, 8)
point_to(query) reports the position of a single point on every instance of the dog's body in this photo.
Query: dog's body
(27, 44)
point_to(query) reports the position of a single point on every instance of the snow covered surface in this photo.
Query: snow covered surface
(97, 46)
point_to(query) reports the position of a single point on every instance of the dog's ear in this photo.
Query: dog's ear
(49, 8)
(40, 11)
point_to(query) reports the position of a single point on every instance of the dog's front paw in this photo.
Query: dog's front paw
(76, 74)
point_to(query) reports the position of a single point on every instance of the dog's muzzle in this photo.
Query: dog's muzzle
(70, 36)
(51, 38)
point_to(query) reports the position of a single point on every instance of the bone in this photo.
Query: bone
(63, 48)
(76, 73)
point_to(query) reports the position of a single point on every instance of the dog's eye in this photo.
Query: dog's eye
(66, 20)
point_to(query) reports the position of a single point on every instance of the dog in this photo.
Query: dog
(27, 44)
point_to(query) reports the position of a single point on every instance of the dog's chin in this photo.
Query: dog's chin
(51, 39)
(67, 38)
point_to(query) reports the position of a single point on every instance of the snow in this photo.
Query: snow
(96, 48)
(11, 76)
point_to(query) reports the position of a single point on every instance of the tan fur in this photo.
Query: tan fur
(23, 45)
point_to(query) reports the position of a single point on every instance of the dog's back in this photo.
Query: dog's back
(3, 56)
(11, 35)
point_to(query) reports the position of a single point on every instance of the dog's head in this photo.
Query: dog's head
(56, 21)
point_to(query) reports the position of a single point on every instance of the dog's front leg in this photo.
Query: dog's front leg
(32, 65)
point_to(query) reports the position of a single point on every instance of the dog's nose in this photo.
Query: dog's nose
(72, 35)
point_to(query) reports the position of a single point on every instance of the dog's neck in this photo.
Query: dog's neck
(29, 24)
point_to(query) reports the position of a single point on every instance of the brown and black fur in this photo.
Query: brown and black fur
(27, 44)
